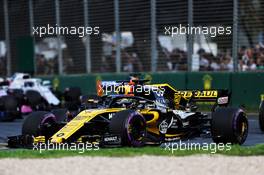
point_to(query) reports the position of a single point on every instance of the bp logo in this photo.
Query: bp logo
(207, 80)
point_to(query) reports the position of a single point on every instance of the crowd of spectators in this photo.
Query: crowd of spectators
(249, 59)
(130, 62)
(221, 62)
(176, 60)
(45, 66)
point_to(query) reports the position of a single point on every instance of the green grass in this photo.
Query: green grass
(121, 152)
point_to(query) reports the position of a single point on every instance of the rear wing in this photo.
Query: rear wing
(178, 98)
(219, 97)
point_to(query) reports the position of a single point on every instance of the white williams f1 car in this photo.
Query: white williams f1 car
(26, 83)
(21, 94)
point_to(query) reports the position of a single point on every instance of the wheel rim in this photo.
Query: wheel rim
(49, 119)
(136, 130)
(241, 129)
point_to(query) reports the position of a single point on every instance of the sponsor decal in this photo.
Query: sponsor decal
(163, 127)
(60, 134)
(110, 115)
(222, 100)
(183, 114)
(111, 139)
(207, 80)
(206, 94)
(171, 139)
(198, 94)
(177, 98)
(81, 117)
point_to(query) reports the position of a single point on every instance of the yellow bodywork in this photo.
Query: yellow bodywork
(87, 115)
(39, 139)
(151, 124)
(78, 122)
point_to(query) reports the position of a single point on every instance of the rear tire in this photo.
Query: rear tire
(229, 125)
(10, 103)
(36, 101)
(131, 126)
(33, 97)
(18, 94)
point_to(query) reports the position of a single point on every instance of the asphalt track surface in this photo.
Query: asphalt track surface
(255, 135)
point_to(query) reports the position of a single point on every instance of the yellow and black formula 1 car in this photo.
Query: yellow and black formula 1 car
(152, 114)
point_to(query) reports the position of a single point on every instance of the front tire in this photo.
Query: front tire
(229, 125)
(39, 123)
(36, 101)
(131, 126)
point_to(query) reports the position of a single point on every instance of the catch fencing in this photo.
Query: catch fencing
(98, 36)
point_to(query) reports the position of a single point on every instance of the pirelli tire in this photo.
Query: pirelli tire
(229, 125)
(33, 97)
(261, 116)
(39, 123)
(18, 94)
(36, 101)
(130, 125)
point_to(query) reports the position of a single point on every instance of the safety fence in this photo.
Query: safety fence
(90, 36)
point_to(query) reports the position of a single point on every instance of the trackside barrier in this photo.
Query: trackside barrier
(246, 88)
